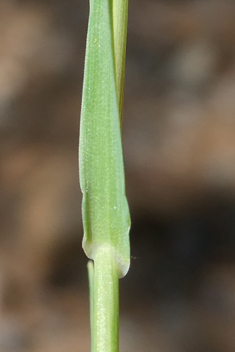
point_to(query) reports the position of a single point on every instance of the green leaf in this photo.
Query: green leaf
(105, 210)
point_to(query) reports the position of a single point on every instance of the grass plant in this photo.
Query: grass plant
(105, 210)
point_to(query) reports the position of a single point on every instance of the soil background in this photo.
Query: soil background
(179, 148)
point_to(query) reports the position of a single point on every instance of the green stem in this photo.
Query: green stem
(120, 17)
(106, 302)
(90, 268)
(105, 210)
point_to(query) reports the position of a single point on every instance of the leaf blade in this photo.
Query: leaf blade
(105, 210)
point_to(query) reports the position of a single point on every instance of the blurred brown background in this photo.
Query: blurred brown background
(179, 146)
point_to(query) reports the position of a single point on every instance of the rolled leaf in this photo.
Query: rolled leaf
(104, 207)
